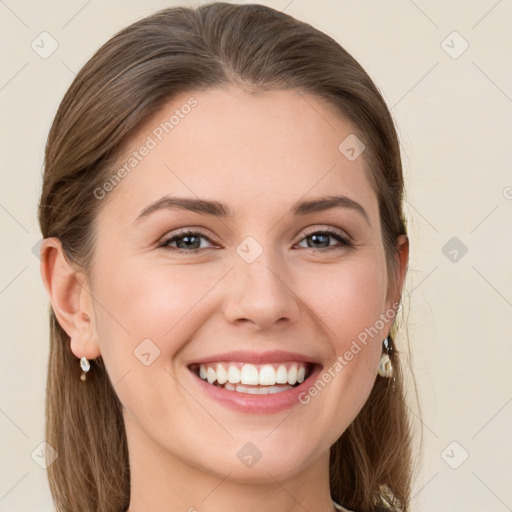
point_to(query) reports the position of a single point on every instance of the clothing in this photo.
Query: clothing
(339, 507)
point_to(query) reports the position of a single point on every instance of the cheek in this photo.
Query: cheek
(349, 298)
(350, 301)
(146, 316)
(157, 303)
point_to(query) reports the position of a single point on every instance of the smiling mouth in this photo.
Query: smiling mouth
(254, 379)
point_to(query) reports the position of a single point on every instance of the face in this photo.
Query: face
(269, 284)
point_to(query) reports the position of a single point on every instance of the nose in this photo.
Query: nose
(260, 294)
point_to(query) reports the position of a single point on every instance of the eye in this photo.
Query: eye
(321, 237)
(186, 242)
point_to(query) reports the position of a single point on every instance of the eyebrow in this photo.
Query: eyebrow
(217, 209)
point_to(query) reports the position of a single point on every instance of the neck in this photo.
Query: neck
(163, 482)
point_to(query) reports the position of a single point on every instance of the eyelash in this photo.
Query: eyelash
(343, 239)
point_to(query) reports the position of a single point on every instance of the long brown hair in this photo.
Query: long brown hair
(130, 78)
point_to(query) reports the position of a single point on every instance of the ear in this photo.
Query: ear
(401, 262)
(71, 299)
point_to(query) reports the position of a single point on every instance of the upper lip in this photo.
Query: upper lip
(249, 356)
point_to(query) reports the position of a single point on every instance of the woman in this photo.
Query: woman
(224, 251)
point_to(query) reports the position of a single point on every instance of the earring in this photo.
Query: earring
(84, 364)
(385, 366)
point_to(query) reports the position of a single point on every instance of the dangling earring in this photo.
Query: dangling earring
(385, 366)
(84, 364)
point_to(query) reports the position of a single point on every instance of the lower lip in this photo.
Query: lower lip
(257, 404)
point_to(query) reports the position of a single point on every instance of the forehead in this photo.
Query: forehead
(248, 150)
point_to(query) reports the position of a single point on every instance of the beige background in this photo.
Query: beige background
(453, 113)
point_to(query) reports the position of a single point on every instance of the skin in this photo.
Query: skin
(259, 154)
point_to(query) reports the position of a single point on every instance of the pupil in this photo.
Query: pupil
(317, 237)
(186, 241)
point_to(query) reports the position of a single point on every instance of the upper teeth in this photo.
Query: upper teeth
(263, 375)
